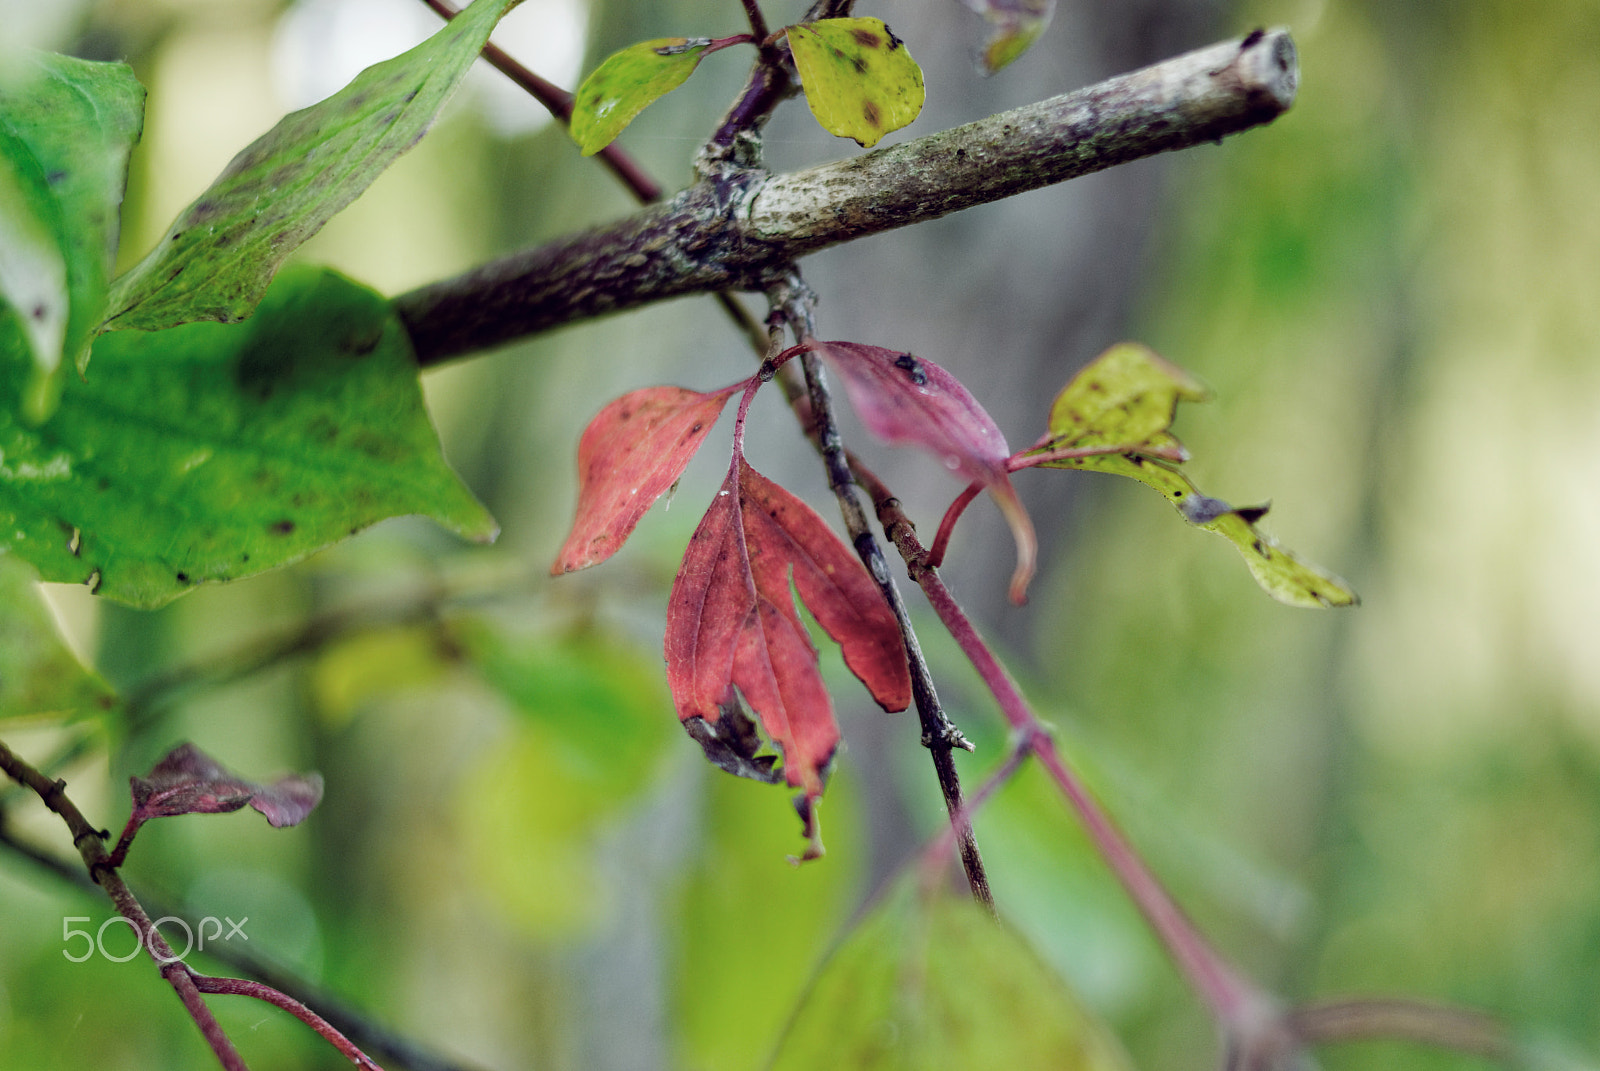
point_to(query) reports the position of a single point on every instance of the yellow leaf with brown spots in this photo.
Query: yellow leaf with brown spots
(859, 78)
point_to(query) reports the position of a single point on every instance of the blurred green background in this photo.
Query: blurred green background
(1394, 291)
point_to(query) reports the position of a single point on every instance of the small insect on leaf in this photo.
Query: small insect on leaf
(632, 453)
(1014, 25)
(628, 82)
(859, 78)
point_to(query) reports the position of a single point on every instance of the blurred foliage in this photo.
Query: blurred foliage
(521, 863)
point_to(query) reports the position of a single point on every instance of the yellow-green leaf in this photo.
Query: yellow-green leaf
(219, 255)
(928, 982)
(1014, 25)
(859, 78)
(1280, 574)
(628, 82)
(39, 674)
(1122, 404)
(1125, 397)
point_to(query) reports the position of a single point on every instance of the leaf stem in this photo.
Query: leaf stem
(243, 987)
(947, 523)
(1235, 1002)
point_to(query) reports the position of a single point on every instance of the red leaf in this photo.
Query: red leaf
(188, 781)
(630, 454)
(905, 399)
(732, 622)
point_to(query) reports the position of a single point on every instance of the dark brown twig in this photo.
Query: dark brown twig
(792, 304)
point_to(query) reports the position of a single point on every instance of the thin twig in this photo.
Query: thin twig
(1414, 1020)
(1235, 1002)
(371, 1036)
(793, 304)
(90, 843)
(962, 818)
(242, 987)
(758, 21)
(559, 104)
(102, 870)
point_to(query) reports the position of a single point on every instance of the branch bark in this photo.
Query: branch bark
(742, 228)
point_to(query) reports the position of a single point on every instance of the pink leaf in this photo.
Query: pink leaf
(630, 454)
(905, 399)
(732, 622)
(188, 781)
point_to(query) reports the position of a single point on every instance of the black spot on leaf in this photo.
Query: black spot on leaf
(1252, 514)
(912, 368)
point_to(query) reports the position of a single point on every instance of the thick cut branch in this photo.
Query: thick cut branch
(1182, 102)
(742, 229)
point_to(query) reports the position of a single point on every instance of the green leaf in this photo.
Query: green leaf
(1014, 25)
(211, 452)
(39, 674)
(217, 258)
(859, 78)
(627, 83)
(1122, 404)
(928, 982)
(66, 129)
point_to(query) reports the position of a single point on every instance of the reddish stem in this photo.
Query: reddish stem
(558, 102)
(119, 854)
(242, 987)
(947, 524)
(1237, 1004)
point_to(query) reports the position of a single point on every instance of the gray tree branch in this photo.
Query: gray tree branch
(741, 228)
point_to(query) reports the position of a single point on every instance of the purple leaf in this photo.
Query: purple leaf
(905, 399)
(188, 781)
